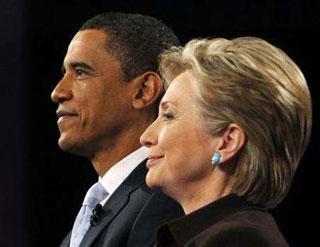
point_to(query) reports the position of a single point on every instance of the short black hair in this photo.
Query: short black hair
(135, 40)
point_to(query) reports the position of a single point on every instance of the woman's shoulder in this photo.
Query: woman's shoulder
(249, 227)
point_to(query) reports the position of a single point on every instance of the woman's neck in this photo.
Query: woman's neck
(201, 193)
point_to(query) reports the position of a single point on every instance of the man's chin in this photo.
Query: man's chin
(71, 147)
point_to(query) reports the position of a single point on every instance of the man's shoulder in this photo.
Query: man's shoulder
(156, 211)
(153, 204)
(134, 212)
(148, 204)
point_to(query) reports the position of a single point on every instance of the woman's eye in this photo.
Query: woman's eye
(167, 116)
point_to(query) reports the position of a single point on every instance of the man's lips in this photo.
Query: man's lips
(62, 115)
(153, 159)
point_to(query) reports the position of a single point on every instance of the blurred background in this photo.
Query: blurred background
(41, 188)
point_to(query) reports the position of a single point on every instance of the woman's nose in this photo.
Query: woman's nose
(149, 137)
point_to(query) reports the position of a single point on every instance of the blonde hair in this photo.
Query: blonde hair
(254, 84)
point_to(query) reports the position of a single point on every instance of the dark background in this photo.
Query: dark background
(41, 188)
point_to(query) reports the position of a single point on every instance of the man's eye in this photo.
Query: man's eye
(80, 72)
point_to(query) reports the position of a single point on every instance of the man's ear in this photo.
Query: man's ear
(232, 140)
(148, 88)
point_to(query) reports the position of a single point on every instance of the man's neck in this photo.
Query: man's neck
(105, 159)
(115, 150)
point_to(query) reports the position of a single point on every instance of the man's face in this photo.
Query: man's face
(94, 101)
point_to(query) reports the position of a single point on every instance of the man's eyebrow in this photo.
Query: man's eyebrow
(81, 65)
(75, 65)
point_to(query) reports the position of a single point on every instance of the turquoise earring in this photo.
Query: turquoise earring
(216, 158)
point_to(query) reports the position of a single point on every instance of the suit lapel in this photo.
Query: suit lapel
(66, 241)
(118, 200)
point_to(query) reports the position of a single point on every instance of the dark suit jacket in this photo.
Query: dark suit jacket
(229, 221)
(131, 216)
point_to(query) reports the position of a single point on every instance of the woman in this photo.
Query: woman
(231, 131)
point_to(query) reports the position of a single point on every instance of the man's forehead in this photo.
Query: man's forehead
(88, 46)
(90, 35)
(91, 40)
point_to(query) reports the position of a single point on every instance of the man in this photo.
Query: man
(107, 98)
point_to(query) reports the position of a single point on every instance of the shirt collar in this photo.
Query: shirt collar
(121, 170)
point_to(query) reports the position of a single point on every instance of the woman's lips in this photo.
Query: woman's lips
(152, 160)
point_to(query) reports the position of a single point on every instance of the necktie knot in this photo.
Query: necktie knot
(82, 223)
(95, 195)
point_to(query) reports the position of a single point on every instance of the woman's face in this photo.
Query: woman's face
(180, 148)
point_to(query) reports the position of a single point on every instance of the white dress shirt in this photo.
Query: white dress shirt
(121, 170)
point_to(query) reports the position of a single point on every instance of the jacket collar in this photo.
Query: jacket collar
(116, 203)
(180, 231)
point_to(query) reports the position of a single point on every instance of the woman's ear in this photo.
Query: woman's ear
(232, 140)
(148, 88)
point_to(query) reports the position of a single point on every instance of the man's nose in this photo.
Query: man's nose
(62, 91)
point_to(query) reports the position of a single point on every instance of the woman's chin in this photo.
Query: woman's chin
(152, 182)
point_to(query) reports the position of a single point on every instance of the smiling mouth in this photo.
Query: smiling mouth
(152, 160)
(64, 115)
